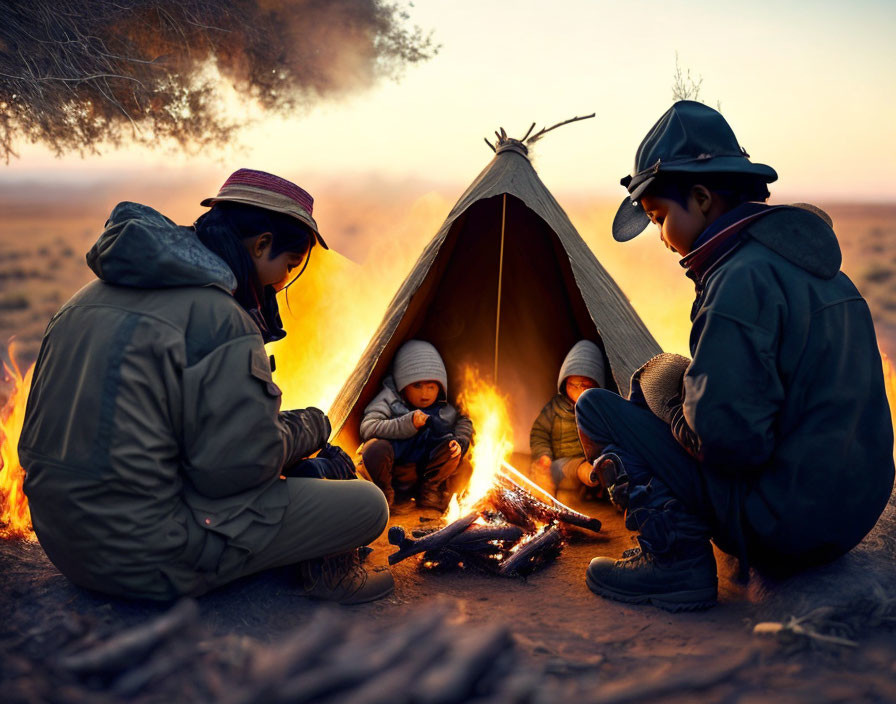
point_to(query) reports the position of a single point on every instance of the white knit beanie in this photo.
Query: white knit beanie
(584, 359)
(417, 360)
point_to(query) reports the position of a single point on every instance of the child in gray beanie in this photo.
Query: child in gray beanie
(557, 454)
(413, 438)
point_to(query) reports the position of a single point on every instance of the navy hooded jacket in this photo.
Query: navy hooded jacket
(784, 400)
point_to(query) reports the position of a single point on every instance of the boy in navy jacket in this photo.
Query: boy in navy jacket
(775, 440)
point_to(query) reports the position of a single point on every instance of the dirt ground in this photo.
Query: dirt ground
(585, 645)
(590, 648)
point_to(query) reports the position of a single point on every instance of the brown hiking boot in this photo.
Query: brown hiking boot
(389, 493)
(343, 579)
(434, 495)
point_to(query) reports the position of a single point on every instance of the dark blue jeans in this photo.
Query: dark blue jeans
(667, 499)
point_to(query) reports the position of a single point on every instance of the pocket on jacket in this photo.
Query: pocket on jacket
(260, 368)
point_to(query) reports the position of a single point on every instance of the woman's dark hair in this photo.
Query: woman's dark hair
(223, 229)
(734, 189)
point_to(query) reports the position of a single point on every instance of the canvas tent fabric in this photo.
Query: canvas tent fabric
(554, 293)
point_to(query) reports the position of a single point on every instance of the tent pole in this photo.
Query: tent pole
(500, 277)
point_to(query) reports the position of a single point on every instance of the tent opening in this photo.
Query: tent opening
(456, 308)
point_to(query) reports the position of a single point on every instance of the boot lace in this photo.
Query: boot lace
(635, 559)
(337, 571)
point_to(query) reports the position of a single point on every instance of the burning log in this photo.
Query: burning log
(408, 546)
(477, 536)
(529, 556)
(458, 541)
(520, 506)
(484, 546)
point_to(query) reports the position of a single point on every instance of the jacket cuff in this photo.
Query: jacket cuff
(406, 423)
(683, 433)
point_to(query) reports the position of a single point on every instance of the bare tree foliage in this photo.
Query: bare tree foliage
(686, 87)
(75, 74)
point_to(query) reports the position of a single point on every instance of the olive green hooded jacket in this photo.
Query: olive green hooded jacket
(153, 437)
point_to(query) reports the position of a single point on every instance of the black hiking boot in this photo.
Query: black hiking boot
(683, 584)
(344, 579)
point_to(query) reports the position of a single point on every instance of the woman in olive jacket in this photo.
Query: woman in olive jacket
(154, 445)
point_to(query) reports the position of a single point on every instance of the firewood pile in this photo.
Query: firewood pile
(332, 658)
(511, 533)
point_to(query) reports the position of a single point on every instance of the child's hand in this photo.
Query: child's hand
(454, 447)
(420, 419)
(541, 473)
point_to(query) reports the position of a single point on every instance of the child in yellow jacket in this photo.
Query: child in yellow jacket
(557, 456)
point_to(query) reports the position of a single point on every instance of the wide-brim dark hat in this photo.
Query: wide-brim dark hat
(690, 137)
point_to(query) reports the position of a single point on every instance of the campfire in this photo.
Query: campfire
(15, 519)
(504, 523)
(510, 531)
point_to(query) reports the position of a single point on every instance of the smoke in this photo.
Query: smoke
(76, 75)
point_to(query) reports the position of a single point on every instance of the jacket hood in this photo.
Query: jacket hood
(584, 359)
(802, 237)
(417, 360)
(142, 248)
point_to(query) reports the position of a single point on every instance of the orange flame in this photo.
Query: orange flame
(328, 328)
(15, 519)
(890, 385)
(492, 444)
(332, 311)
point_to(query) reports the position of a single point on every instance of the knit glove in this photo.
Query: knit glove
(658, 384)
(341, 465)
(309, 429)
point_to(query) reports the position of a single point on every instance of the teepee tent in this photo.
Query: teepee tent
(506, 285)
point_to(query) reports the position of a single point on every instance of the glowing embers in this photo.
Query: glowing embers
(15, 518)
(510, 531)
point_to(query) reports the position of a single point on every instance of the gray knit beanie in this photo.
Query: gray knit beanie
(584, 359)
(417, 360)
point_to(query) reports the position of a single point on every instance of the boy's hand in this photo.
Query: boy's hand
(454, 447)
(420, 419)
(543, 462)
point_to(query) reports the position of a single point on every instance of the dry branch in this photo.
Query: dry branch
(471, 658)
(541, 133)
(835, 625)
(130, 647)
(501, 137)
(682, 680)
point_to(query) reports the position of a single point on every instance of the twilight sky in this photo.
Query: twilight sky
(808, 86)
